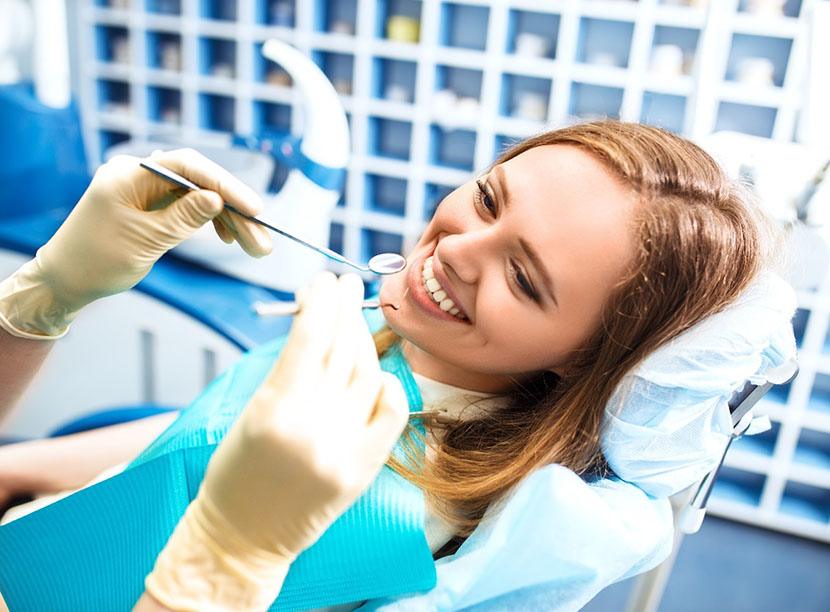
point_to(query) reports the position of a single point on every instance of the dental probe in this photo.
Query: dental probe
(382, 263)
(288, 309)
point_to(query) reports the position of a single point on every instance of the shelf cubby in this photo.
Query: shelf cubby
(112, 44)
(389, 138)
(163, 7)
(114, 97)
(502, 143)
(603, 42)
(759, 444)
(758, 61)
(216, 112)
(394, 80)
(806, 502)
(525, 97)
(217, 57)
(452, 148)
(336, 16)
(272, 117)
(375, 242)
(276, 13)
(589, 101)
(663, 110)
(813, 449)
(222, 10)
(464, 26)
(164, 105)
(339, 68)
(399, 20)
(532, 34)
(386, 194)
(746, 118)
(779, 394)
(336, 237)
(456, 101)
(820, 395)
(673, 50)
(740, 487)
(164, 51)
(433, 196)
(800, 320)
(110, 138)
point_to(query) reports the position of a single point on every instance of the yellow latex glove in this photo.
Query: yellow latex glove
(125, 221)
(309, 442)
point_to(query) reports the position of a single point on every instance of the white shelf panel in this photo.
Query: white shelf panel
(680, 16)
(778, 522)
(613, 10)
(164, 23)
(778, 27)
(741, 93)
(595, 74)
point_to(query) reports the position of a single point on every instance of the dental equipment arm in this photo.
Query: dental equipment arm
(123, 224)
(310, 441)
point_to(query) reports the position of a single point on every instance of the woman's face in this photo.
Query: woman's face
(521, 260)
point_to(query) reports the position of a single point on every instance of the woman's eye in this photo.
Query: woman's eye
(485, 199)
(524, 283)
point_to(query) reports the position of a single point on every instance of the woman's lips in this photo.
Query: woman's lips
(422, 298)
(444, 281)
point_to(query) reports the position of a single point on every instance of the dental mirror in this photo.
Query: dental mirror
(380, 264)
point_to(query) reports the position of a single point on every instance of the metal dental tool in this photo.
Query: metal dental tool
(288, 309)
(382, 263)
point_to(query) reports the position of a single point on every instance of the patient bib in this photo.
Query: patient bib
(93, 549)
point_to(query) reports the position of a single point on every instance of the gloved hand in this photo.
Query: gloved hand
(125, 221)
(309, 442)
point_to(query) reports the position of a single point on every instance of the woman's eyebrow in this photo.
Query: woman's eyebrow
(530, 252)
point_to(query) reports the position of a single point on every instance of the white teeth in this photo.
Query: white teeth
(439, 296)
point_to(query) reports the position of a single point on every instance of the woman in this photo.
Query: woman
(538, 285)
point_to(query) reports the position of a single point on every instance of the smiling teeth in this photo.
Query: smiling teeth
(438, 295)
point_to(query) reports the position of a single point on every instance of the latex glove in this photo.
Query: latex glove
(125, 221)
(310, 441)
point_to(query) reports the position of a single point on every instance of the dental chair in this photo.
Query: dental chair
(689, 506)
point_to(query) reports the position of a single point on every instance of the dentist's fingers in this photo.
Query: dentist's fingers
(388, 420)
(367, 378)
(222, 231)
(253, 238)
(312, 332)
(342, 358)
(207, 174)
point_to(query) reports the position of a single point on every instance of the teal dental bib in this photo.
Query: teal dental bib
(93, 549)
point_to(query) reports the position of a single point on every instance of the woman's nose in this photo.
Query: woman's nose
(463, 254)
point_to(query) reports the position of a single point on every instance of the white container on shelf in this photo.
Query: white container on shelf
(758, 71)
(667, 60)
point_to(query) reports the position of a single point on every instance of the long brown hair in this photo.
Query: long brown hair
(700, 244)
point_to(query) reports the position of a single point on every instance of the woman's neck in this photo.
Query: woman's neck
(428, 365)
